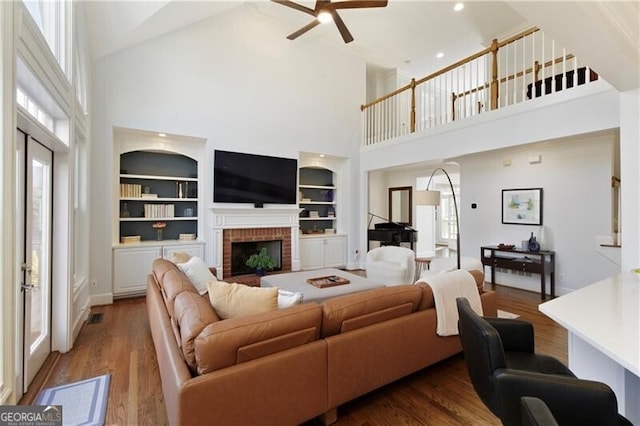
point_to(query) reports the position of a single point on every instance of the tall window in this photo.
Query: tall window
(35, 110)
(444, 217)
(448, 226)
(50, 17)
(36, 100)
(80, 258)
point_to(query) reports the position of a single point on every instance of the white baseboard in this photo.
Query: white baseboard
(352, 266)
(101, 299)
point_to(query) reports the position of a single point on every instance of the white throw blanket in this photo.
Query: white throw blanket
(447, 286)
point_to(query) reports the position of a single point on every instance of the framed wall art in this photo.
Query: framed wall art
(522, 206)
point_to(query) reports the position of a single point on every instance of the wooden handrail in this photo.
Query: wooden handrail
(523, 34)
(454, 65)
(387, 96)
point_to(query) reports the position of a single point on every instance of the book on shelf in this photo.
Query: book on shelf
(130, 190)
(187, 237)
(156, 211)
(314, 214)
(149, 195)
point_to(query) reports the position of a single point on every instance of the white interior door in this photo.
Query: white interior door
(36, 205)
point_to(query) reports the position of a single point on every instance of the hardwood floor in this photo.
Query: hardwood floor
(439, 395)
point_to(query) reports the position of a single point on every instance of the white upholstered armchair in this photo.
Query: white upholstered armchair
(391, 265)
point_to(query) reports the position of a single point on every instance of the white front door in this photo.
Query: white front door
(34, 192)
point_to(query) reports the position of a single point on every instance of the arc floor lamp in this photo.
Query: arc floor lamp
(432, 198)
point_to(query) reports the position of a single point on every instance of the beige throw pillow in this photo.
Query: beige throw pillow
(236, 300)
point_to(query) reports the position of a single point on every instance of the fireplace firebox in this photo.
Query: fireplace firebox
(241, 251)
(277, 240)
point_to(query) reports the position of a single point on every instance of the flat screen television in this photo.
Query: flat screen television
(256, 179)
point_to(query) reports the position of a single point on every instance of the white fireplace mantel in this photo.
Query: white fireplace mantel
(230, 218)
(246, 218)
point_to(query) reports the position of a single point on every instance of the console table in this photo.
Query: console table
(540, 262)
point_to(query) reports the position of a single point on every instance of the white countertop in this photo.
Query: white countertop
(606, 315)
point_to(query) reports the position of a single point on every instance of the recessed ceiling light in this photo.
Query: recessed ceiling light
(321, 155)
(325, 17)
(439, 55)
(458, 7)
(162, 135)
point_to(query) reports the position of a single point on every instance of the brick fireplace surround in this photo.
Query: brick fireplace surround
(240, 235)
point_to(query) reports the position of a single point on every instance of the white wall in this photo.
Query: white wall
(235, 81)
(575, 174)
(630, 176)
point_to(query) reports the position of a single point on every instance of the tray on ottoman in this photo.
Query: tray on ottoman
(328, 281)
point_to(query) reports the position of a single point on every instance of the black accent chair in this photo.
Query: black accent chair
(536, 413)
(503, 367)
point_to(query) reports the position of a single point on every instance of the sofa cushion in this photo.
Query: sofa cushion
(427, 301)
(174, 283)
(225, 343)
(171, 281)
(198, 273)
(160, 268)
(344, 313)
(235, 300)
(192, 314)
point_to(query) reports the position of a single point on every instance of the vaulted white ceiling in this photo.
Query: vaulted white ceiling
(405, 35)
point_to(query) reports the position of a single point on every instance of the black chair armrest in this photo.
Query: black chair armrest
(516, 335)
(570, 400)
(536, 413)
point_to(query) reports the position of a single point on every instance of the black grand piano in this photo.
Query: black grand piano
(392, 234)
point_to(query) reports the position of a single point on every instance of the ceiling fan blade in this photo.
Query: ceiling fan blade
(344, 32)
(296, 6)
(303, 30)
(355, 4)
(320, 4)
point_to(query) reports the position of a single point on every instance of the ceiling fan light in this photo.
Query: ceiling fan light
(325, 17)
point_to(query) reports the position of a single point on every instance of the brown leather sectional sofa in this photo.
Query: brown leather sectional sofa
(287, 366)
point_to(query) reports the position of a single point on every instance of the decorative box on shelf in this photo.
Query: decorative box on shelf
(131, 239)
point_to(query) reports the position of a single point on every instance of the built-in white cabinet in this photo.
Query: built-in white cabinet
(132, 264)
(157, 209)
(323, 252)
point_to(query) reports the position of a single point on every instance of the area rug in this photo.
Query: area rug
(83, 402)
(505, 314)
